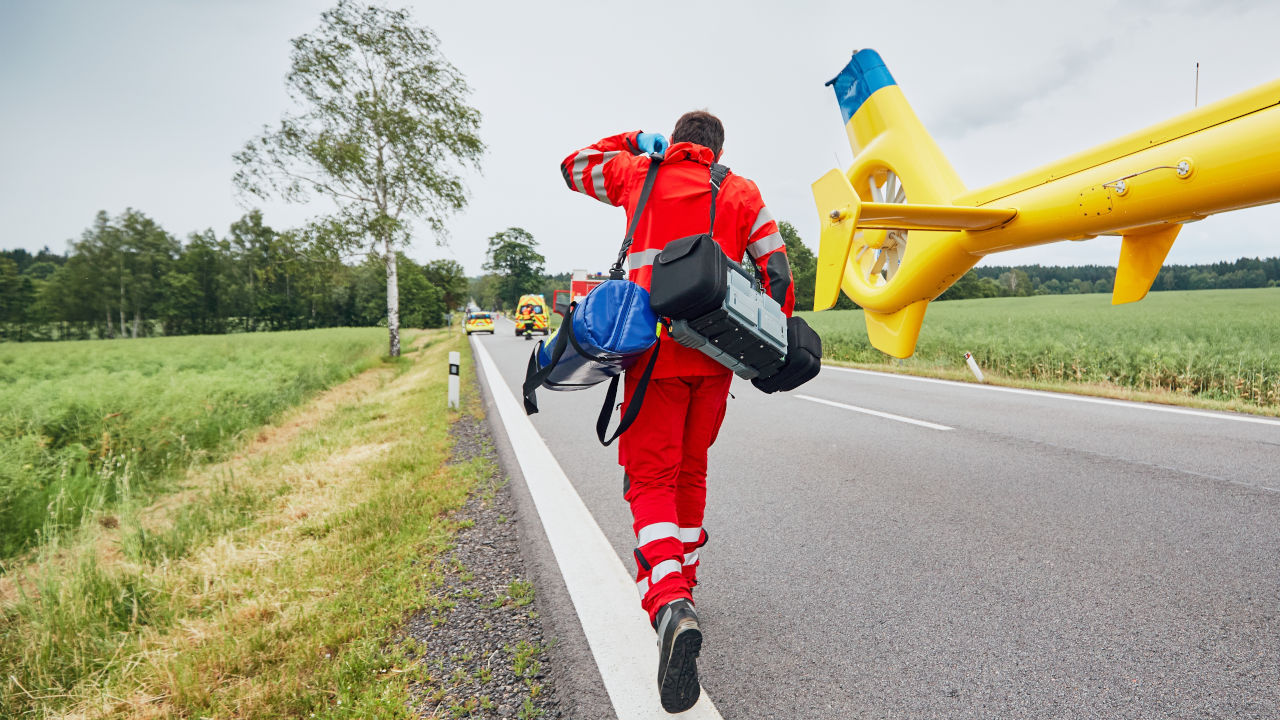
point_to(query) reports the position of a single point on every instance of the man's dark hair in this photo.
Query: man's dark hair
(702, 128)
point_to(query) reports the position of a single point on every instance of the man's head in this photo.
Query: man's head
(701, 128)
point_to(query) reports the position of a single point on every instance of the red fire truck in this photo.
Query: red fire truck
(580, 284)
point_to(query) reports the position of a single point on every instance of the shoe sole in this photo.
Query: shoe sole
(679, 687)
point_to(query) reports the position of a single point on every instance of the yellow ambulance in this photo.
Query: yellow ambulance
(532, 315)
(479, 322)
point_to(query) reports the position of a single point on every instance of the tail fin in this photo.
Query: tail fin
(1142, 254)
(866, 248)
(886, 135)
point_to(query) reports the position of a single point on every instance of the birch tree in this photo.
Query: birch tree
(382, 130)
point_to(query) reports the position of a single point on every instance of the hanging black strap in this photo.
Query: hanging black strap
(616, 272)
(718, 174)
(533, 375)
(633, 407)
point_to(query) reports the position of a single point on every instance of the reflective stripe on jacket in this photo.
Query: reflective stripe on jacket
(613, 170)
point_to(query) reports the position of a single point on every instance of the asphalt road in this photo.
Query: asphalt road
(1043, 556)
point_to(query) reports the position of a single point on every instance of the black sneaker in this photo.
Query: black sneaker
(679, 642)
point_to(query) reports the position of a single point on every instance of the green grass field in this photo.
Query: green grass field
(276, 582)
(84, 423)
(1221, 345)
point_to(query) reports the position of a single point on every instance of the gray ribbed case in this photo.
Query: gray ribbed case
(747, 334)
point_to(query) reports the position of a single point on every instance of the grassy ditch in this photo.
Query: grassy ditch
(83, 424)
(273, 584)
(1218, 348)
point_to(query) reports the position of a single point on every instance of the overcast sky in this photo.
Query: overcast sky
(108, 104)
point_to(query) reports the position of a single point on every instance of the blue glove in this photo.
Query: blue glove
(651, 143)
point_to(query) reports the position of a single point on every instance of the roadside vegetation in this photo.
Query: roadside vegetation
(85, 425)
(1220, 348)
(272, 584)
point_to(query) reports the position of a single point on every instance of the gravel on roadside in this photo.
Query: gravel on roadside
(484, 645)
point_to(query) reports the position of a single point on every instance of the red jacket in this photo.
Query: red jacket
(679, 205)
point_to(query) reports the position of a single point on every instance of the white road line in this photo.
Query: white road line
(877, 413)
(1064, 396)
(603, 592)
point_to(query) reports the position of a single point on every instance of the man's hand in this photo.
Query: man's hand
(651, 143)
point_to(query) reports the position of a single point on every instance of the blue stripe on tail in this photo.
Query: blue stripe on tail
(864, 75)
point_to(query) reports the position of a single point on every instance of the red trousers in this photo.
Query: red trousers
(664, 454)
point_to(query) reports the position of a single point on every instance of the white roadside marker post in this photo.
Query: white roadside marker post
(973, 366)
(455, 360)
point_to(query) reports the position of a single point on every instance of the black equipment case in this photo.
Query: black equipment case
(717, 307)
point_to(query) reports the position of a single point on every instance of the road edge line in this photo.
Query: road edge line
(573, 669)
(602, 591)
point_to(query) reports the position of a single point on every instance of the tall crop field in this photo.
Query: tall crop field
(1213, 344)
(84, 423)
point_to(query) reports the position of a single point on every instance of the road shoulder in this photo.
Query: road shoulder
(574, 672)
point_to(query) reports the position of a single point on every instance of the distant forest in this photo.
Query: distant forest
(128, 277)
(1009, 281)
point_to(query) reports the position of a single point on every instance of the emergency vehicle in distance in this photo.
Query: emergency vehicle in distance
(580, 284)
(479, 322)
(532, 315)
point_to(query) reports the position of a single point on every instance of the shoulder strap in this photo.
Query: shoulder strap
(616, 272)
(533, 375)
(633, 407)
(718, 174)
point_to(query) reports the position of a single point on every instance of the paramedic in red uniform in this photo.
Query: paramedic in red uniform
(664, 453)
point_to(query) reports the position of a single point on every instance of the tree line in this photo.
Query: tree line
(1025, 280)
(1010, 281)
(127, 277)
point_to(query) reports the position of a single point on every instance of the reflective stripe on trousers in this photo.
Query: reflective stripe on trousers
(660, 571)
(657, 531)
